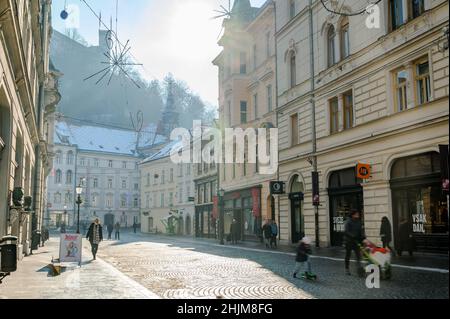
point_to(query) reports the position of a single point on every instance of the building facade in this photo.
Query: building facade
(350, 94)
(104, 162)
(28, 95)
(247, 88)
(167, 190)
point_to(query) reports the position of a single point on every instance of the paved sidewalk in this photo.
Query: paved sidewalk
(94, 280)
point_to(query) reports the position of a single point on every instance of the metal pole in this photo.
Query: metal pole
(78, 215)
(222, 221)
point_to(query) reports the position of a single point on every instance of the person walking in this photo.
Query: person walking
(234, 231)
(117, 229)
(134, 227)
(406, 240)
(95, 236)
(110, 228)
(267, 232)
(274, 228)
(302, 259)
(354, 236)
(386, 233)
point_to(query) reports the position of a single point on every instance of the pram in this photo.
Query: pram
(378, 256)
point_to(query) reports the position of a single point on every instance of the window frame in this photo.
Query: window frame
(331, 46)
(333, 110)
(397, 87)
(346, 107)
(421, 78)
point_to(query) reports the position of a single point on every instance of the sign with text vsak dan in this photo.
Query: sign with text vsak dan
(70, 248)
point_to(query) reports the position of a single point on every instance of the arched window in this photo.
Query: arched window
(331, 52)
(123, 200)
(69, 177)
(57, 198)
(344, 39)
(293, 70)
(296, 185)
(58, 177)
(69, 158)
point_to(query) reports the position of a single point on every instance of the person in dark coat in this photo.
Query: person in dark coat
(110, 228)
(386, 233)
(234, 231)
(354, 237)
(117, 231)
(302, 257)
(135, 225)
(406, 241)
(267, 233)
(95, 236)
(273, 240)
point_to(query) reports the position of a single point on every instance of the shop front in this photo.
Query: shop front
(420, 206)
(345, 194)
(245, 207)
(296, 198)
(205, 222)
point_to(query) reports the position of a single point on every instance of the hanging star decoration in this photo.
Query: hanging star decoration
(224, 12)
(117, 55)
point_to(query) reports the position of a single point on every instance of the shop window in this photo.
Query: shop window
(344, 178)
(418, 165)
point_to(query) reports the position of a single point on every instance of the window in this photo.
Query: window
(57, 198)
(96, 162)
(109, 200)
(136, 166)
(69, 158)
(163, 177)
(110, 163)
(171, 175)
(243, 63)
(269, 98)
(294, 129)
(124, 183)
(135, 201)
(422, 81)
(348, 110)
(58, 177)
(417, 8)
(58, 157)
(291, 9)
(188, 169)
(148, 179)
(136, 186)
(293, 70)
(124, 164)
(243, 112)
(345, 39)
(110, 183)
(330, 46)
(334, 115)
(180, 194)
(170, 199)
(400, 87)
(255, 105)
(268, 44)
(162, 200)
(396, 13)
(123, 201)
(200, 194)
(69, 177)
(147, 200)
(94, 200)
(95, 184)
(255, 62)
(82, 161)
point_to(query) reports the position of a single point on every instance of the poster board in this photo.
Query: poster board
(70, 248)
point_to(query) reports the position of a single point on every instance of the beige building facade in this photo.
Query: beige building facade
(377, 96)
(247, 73)
(28, 95)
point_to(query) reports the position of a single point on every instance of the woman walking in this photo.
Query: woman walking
(386, 233)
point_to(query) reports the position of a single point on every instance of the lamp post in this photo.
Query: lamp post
(78, 190)
(221, 216)
(65, 217)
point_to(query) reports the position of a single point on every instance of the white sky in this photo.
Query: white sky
(176, 36)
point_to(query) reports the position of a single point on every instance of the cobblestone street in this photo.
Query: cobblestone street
(187, 268)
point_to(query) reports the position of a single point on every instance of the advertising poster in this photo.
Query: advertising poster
(70, 248)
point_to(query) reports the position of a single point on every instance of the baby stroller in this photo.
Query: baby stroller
(378, 256)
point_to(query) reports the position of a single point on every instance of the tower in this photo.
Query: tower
(169, 120)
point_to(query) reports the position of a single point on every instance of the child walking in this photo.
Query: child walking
(302, 260)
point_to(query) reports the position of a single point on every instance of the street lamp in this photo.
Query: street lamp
(78, 190)
(66, 224)
(221, 216)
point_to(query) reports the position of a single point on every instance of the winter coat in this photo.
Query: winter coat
(386, 231)
(267, 230)
(303, 251)
(90, 233)
(353, 231)
(274, 228)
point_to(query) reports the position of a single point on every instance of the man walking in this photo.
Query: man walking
(95, 236)
(117, 229)
(354, 236)
(234, 231)
(109, 227)
(274, 227)
(267, 233)
(134, 227)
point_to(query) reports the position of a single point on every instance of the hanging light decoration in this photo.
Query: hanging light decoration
(64, 14)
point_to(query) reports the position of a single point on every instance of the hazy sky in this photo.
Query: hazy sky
(176, 36)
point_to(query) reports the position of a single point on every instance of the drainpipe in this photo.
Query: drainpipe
(313, 114)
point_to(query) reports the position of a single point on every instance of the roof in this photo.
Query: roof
(165, 151)
(96, 138)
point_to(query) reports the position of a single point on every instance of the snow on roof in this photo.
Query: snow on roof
(165, 151)
(149, 137)
(96, 138)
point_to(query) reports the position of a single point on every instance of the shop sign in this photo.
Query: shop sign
(277, 188)
(338, 224)
(70, 248)
(363, 171)
(419, 219)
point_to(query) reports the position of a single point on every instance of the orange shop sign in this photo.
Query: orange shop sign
(363, 171)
